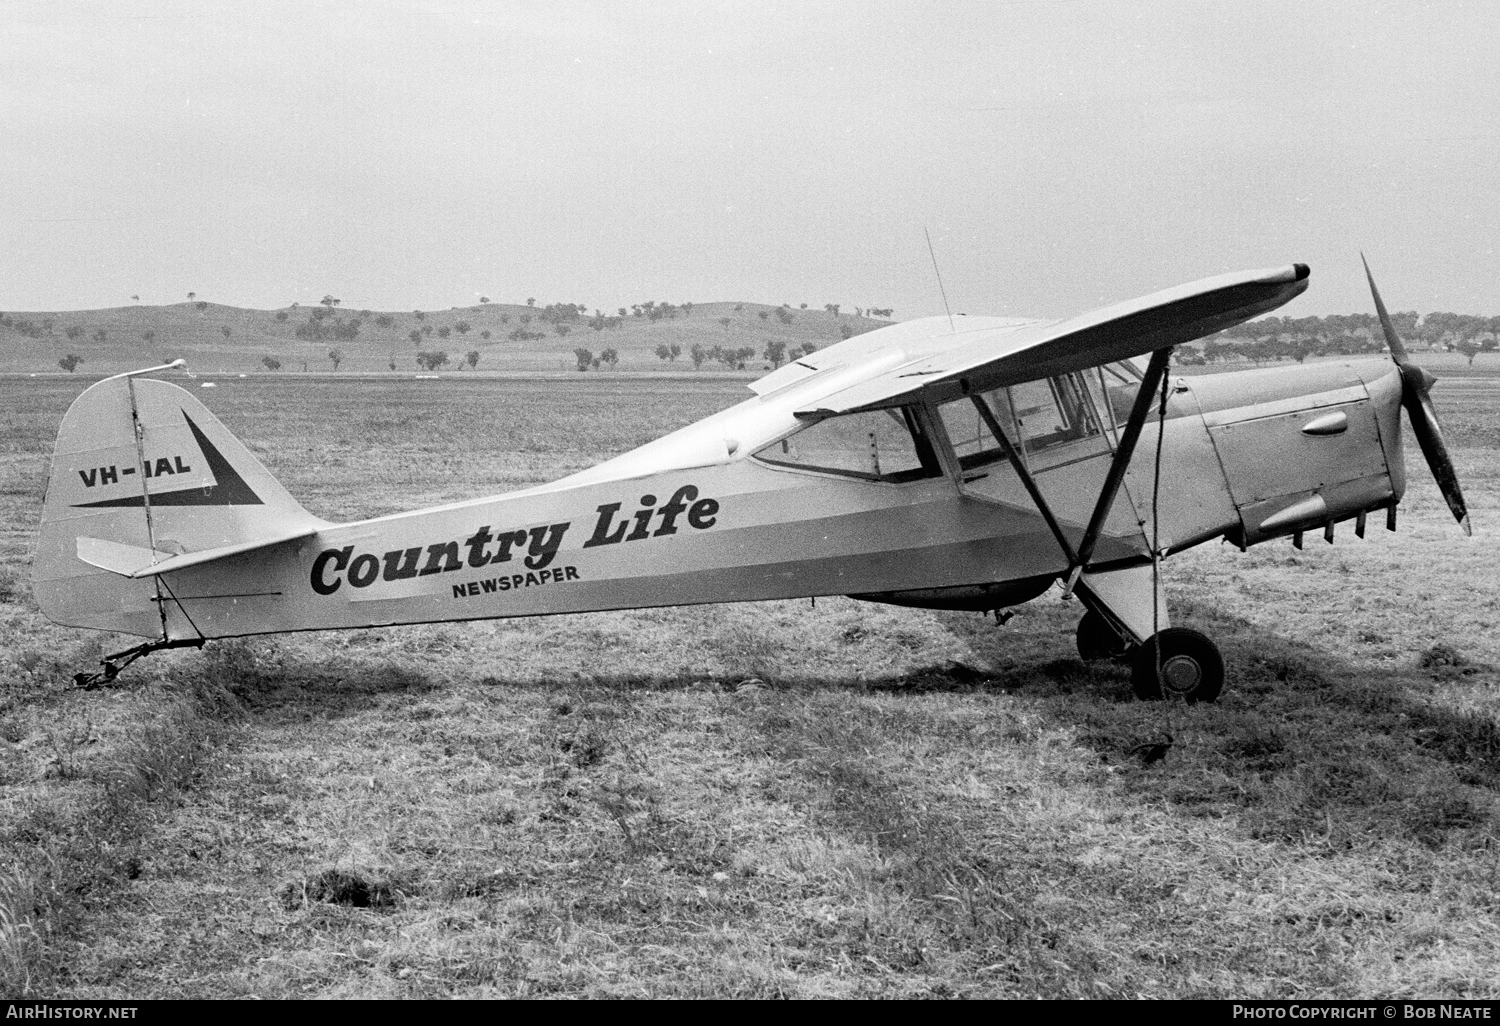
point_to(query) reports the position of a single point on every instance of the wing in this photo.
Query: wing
(930, 358)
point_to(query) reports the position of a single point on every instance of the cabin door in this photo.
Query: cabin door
(1062, 431)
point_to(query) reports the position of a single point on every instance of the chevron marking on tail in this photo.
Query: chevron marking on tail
(229, 490)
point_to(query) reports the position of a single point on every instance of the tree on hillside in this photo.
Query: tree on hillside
(584, 358)
(100, 335)
(271, 363)
(621, 312)
(149, 336)
(384, 321)
(330, 302)
(225, 329)
(485, 334)
(192, 296)
(484, 299)
(462, 327)
(72, 331)
(1469, 348)
(444, 332)
(763, 314)
(472, 359)
(201, 305)
(724, 321)
(336, 357)
(419, 315)
(561, 329)
(135, 299)
(282, 315)
(775, 352)
(70, 362)
(531, 301)
(1214, 350)
(784, 315)
(432, 361)
(663, 352)
(609, 356)
(415, 336)
(698, 354)
(832, 308)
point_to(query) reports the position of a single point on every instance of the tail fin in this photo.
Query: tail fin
(145, 480)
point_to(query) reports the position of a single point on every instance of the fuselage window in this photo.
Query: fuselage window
(878, 445)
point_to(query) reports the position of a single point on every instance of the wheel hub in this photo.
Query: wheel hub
(1181, 674)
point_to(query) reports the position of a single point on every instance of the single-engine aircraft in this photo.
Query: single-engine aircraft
(947, 462)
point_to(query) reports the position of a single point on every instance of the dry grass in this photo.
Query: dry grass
(760, 800)
(20, 944)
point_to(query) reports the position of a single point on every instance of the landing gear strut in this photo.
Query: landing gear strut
(1098, 640)
(1177, 663)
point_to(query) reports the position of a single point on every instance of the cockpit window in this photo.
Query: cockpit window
(878, 445)
(972, 440)
(1114, 387)
(1052, 411)
(1035, 415)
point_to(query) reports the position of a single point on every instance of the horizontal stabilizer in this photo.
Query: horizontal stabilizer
(117, 557)
(136, 562)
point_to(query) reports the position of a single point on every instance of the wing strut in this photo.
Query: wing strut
(1025, 476)
(1155, 370)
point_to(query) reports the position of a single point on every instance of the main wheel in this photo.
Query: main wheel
(1097, 640)
(1178, 663)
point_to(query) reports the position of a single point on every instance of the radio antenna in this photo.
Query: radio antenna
(942, 291)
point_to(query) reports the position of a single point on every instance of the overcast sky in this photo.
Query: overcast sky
(1063, 154)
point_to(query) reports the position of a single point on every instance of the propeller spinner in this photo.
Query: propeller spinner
(1416, 396)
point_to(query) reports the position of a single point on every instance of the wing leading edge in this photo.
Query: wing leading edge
(1037, 350)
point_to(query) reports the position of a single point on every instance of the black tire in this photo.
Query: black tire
(1097, 639)
(1191, 667)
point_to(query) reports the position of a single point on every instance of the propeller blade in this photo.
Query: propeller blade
(1398, 348)
(1424, 425)
(1416, 397)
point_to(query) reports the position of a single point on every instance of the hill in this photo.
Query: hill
(511, 337)
(215, 338)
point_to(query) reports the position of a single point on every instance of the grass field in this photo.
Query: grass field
(762, 799)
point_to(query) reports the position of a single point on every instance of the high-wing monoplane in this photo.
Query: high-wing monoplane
(947, 462)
